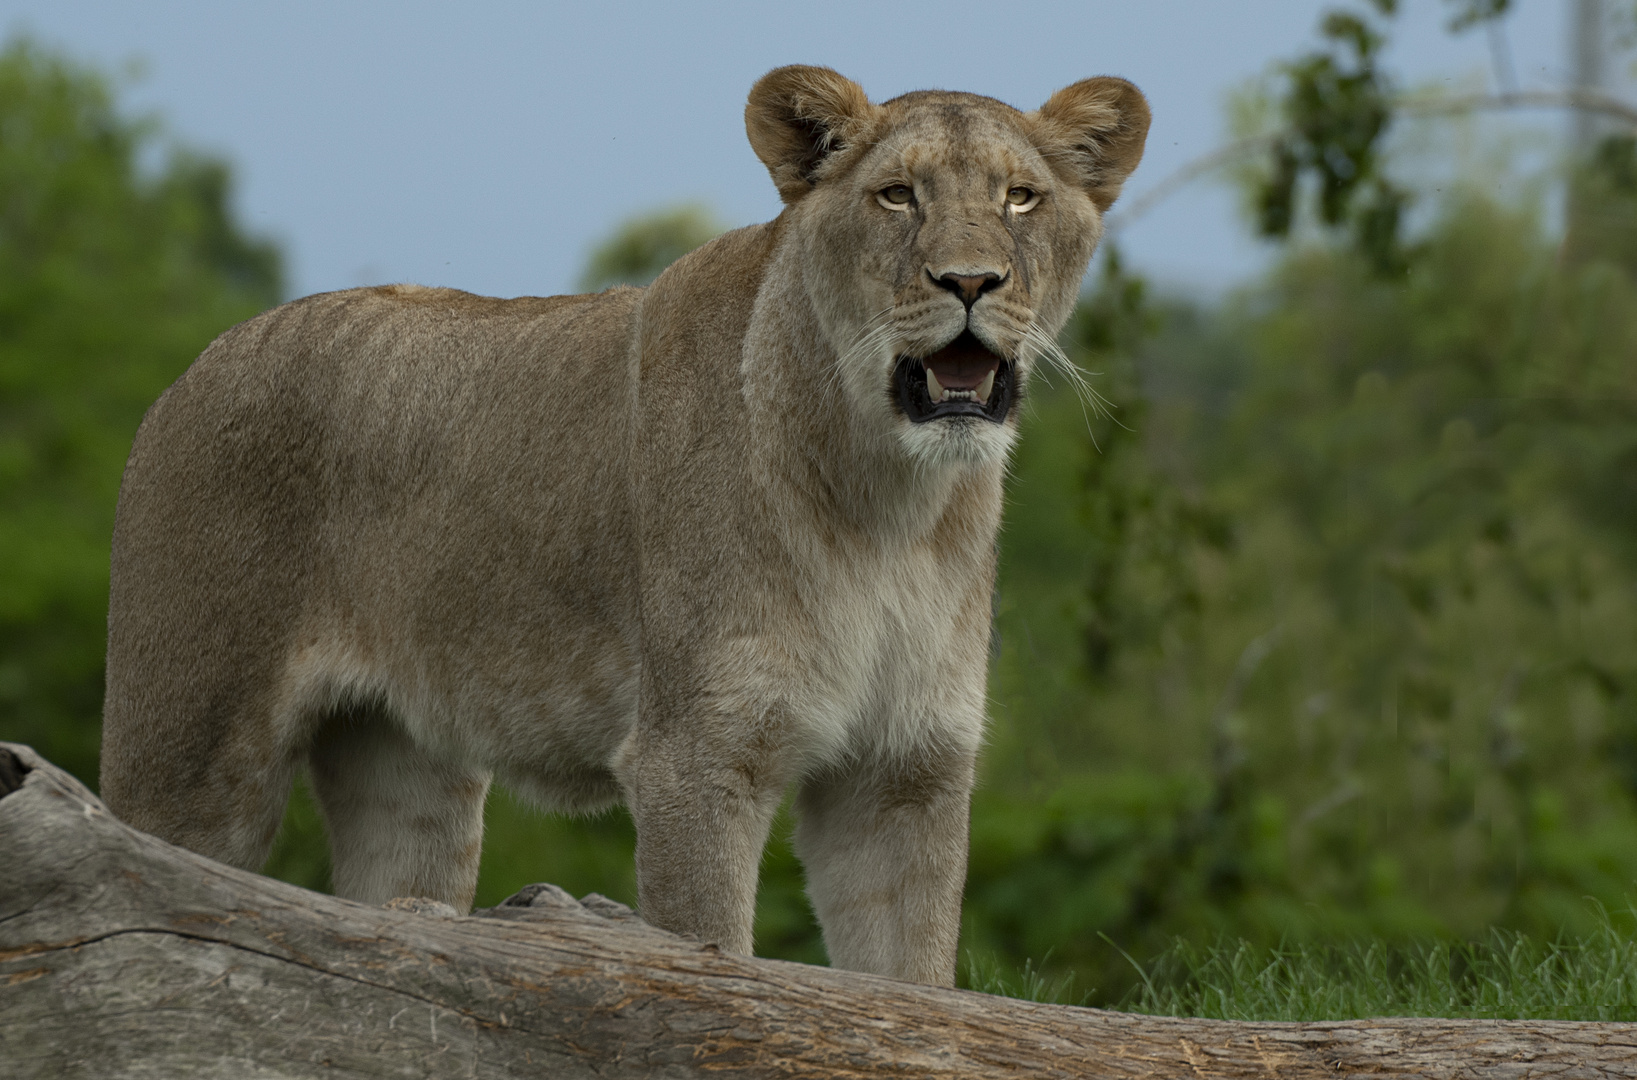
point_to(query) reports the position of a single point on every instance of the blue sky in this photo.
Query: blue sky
(488, 145)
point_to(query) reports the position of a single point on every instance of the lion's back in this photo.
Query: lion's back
(351, 395)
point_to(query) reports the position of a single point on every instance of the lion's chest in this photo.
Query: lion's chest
(891, 652)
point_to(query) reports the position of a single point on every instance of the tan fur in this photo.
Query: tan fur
(676, 546)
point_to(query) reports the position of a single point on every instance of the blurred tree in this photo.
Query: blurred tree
(1602, 205)
(1383, 529)
(1337, 106)
(643, 246)
(111, 281)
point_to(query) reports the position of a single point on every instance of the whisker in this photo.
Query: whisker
(1046, 349)
(875, 331)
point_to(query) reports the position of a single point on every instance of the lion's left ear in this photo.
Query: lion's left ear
(798, 116)
(1097, 127)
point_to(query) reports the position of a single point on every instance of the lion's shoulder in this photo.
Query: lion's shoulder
(699, 308)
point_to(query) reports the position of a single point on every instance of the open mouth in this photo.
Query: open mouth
(961, 379)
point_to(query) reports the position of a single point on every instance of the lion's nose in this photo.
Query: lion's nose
(968, 286)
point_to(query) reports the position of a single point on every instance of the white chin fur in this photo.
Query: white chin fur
(958, 441)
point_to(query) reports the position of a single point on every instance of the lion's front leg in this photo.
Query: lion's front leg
(885, 854)
(702, 807)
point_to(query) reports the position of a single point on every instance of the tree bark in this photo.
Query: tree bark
(123, 956)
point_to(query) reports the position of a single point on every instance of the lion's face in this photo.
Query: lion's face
(945, 236)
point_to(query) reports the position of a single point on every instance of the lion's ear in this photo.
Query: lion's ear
(797, 116)
(1097, 127)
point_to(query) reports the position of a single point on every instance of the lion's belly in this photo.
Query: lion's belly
(541, 683)
(536, 695)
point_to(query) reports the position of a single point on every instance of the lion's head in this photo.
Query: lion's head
(945, 238)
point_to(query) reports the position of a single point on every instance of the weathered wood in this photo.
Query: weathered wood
(122, 956)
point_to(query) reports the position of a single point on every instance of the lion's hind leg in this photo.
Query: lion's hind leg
(192, 750)
(403, 821)
(225, 805)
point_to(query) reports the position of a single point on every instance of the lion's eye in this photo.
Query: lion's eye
(1022, 199)
(895, 196)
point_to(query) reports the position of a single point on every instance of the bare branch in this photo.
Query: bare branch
(1586, 101)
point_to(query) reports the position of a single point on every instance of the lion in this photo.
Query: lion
(688, 546)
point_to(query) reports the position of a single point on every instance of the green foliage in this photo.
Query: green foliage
(643, 246)
(1603, 205)
(523, 846)
(111, 281)
(1337, 108)
(301, 851)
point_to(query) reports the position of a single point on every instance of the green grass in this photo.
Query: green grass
(1506, 976)
(988, 975)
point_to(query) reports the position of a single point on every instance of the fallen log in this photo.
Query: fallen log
(123, 956)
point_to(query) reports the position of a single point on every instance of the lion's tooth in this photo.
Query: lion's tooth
(985, 387)
(933, 390)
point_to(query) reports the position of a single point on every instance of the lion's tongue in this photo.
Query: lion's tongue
(964, 364)
(961, 375)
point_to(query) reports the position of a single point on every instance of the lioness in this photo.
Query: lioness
(685, 545)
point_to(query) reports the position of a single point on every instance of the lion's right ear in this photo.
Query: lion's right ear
(797, 117)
